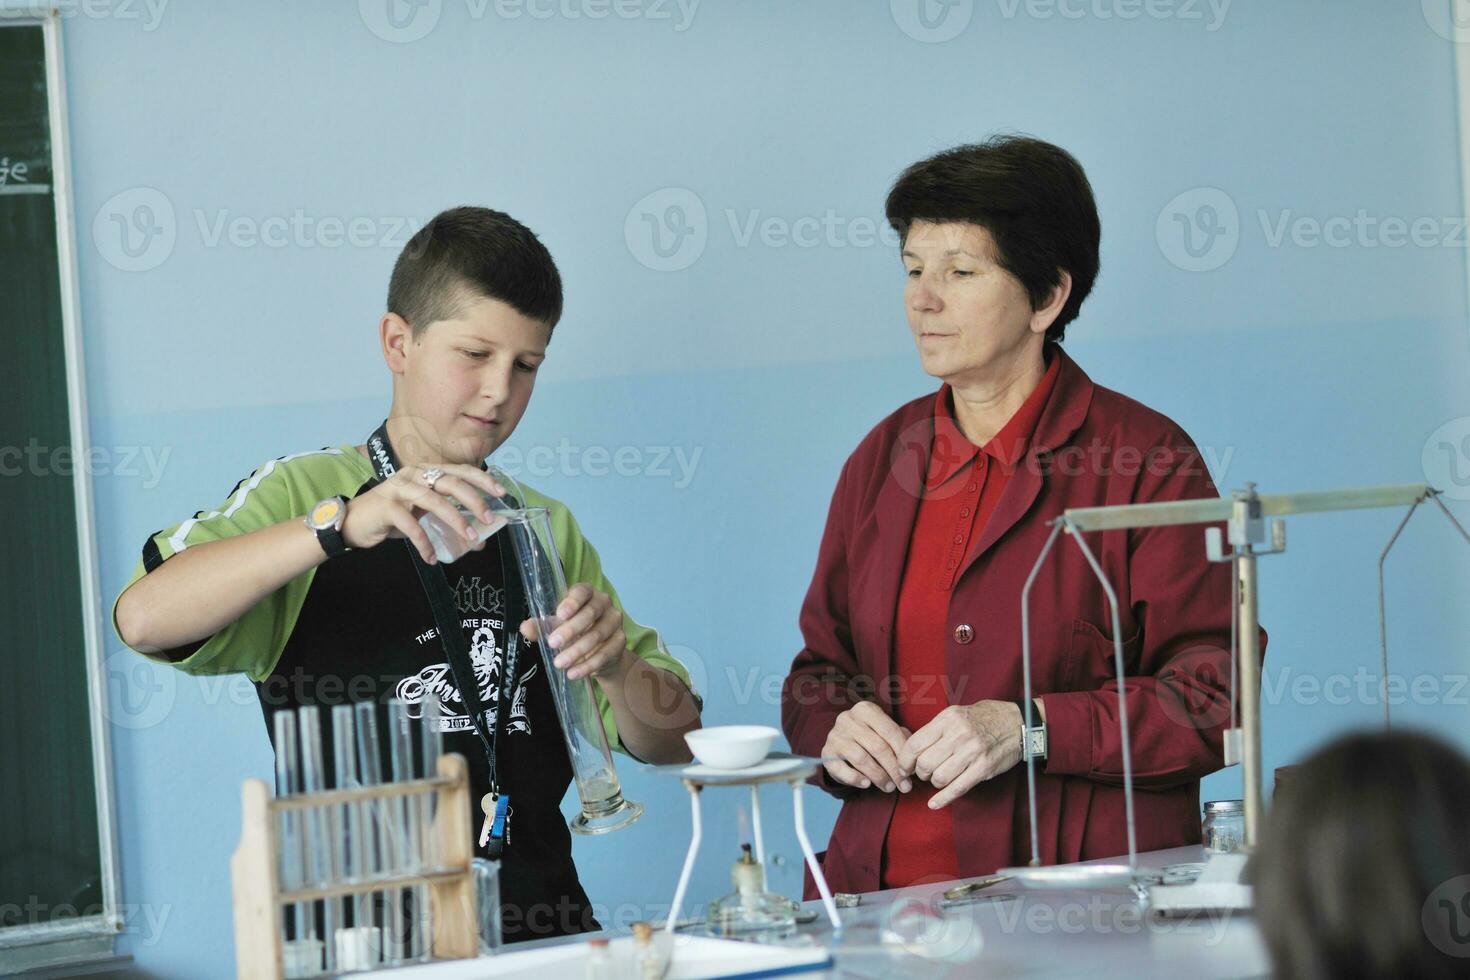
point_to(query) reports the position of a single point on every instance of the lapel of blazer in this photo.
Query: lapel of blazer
(1065, 411)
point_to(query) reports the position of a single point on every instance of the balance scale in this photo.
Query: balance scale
(1220, 887)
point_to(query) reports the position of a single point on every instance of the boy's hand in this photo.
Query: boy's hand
(590, 638)
(392, 508)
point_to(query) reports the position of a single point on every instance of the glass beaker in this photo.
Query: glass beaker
(603, 806)
(449, 545)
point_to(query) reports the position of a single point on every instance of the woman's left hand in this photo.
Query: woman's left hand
(964, 746)
(590, 638)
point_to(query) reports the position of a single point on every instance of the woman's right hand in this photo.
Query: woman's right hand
(392, 508)
(864, 744)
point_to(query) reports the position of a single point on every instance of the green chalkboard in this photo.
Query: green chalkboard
(50, 865)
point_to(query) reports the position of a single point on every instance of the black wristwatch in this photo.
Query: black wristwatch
(325, 518)
(1033, 737)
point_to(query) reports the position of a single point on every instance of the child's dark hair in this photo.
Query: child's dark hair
(1031, 196)
(468, 251)
(1363, 868)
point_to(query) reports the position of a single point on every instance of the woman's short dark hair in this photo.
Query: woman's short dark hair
(1360, 853)
(475, 252)
(1031, 196)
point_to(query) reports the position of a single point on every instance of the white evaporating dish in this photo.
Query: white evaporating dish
(731, 746)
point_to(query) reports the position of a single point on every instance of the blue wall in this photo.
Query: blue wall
(763, 331)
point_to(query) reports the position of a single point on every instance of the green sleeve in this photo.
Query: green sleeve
(582, 564)
(278, 490)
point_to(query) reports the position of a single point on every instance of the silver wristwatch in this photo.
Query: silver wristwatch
(1033, 739)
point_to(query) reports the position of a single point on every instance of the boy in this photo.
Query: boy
(297, 581)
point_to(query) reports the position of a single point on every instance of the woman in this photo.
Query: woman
(1364, 867)
(910, 678)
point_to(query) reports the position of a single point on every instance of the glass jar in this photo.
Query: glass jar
(1224, 826)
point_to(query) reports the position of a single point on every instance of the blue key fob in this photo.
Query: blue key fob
(496, 846)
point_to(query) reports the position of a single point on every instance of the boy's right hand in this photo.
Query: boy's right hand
(392, 508)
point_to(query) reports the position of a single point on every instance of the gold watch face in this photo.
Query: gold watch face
(326, 513)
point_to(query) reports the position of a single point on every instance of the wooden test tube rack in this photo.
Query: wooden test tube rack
(260, 901)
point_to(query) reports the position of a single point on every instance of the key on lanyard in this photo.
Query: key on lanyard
(492, 832)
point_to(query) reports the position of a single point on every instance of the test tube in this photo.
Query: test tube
(315, 836)
(288, 784)
(433, 746)
(357, 947)
(370, 773)
(406, 812)
(433, 739)
(347, 854)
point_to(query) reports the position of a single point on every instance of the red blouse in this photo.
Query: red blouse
(962, 487)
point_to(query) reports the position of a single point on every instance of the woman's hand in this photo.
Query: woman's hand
(392, 508)
(866, 743)
(590, 639)
(964, 746)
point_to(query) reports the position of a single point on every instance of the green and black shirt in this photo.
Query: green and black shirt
(359, 627)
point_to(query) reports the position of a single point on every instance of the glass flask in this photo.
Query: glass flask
(603, 807)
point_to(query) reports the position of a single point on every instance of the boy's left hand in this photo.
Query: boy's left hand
(590, 638)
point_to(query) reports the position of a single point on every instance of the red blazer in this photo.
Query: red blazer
(1092, 447)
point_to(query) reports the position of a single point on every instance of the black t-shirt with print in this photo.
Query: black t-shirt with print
(366, 632)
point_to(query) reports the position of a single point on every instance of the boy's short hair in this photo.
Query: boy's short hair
(1031, 196)
(475, 251)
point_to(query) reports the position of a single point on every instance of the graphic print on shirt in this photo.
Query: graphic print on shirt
(487, 656)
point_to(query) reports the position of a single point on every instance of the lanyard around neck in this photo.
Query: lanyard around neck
(451, 633)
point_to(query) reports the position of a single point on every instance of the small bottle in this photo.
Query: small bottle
(647, 964)
(599, 961)
(750, 908)
(749, 879)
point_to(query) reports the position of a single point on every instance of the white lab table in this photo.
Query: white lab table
(1064, 933)
(1041, 933)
